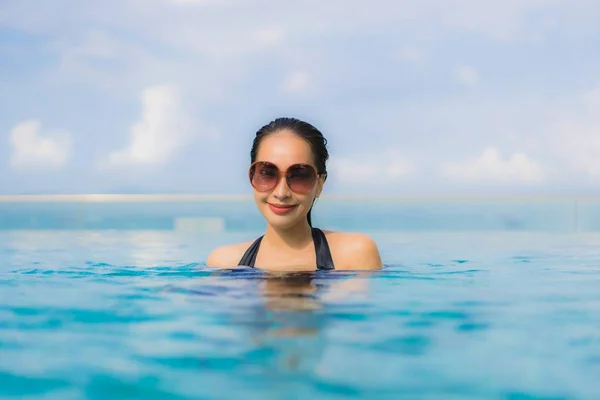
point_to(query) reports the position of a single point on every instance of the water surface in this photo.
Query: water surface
(135, 314)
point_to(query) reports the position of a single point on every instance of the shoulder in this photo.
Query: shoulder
(227, 256)
(352, 250)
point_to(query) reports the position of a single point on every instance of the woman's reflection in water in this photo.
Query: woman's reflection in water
(286, 314)
(294, 315)
(291, 319)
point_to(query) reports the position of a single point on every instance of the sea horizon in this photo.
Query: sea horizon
(191, 197)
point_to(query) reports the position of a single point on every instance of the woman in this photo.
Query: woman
(287, 173)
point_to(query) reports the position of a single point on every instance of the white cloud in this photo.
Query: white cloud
(296, 82)
(411, 54)
(32, 148)
(592, 101)
(467, 75)
(505, 21)
(491, 167)
(103, 59)
(373, 168)
(269, 36)
(190, 2)
(162, 130)
(156, 38)
(577, 135)
(94, 44)
(502, 20)
(582, 149)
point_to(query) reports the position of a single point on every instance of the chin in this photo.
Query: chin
(282, 225)
(281, 221)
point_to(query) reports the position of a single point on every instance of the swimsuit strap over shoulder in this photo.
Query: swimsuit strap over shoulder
(324, 260)
(249, 257)
(323, 253)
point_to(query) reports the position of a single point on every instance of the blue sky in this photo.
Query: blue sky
(430, 96)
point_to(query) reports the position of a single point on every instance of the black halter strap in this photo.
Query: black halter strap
(249, 257)
(323, 253)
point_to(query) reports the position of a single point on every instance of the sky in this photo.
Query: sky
(428, 96)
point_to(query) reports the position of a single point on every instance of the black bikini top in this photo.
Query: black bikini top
(324, 260)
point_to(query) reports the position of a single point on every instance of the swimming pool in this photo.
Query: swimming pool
(112, 301)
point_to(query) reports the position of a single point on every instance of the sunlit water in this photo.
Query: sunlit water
(136, 315)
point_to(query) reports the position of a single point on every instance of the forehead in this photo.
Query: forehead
(285, 148)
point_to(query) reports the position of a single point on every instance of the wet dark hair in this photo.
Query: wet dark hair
(303, 129)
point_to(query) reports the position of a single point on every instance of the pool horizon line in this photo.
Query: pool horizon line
(158, 197)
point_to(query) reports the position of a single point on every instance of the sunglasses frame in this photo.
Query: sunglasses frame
(283, 174)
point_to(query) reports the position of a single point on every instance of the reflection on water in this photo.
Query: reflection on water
(295, 292)
(150, 248)
(294, 312)
(288, 321)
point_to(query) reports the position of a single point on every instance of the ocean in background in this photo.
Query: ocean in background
(109, 298)
(233, 214)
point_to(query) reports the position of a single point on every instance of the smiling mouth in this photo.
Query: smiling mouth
(281, 209)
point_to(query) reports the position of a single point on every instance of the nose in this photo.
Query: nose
(282, 190)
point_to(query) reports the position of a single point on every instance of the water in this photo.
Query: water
(455, 314)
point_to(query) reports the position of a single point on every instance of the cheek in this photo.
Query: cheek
(307, 199)
(259, 197)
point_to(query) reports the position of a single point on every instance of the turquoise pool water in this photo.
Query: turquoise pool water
(128, 312)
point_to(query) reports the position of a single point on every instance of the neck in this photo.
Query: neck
(296, 237)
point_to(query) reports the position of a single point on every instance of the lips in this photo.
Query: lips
(281, 209)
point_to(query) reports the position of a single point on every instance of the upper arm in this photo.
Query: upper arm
(219, 257)
(362, 253)
(214, 258)
(226, 256)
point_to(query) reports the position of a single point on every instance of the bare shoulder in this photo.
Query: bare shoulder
(227, 256)
(351, 250)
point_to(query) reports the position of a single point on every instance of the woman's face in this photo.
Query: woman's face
(282, 207)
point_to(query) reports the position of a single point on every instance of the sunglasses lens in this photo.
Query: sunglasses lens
(264, 176)
(301, 178)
